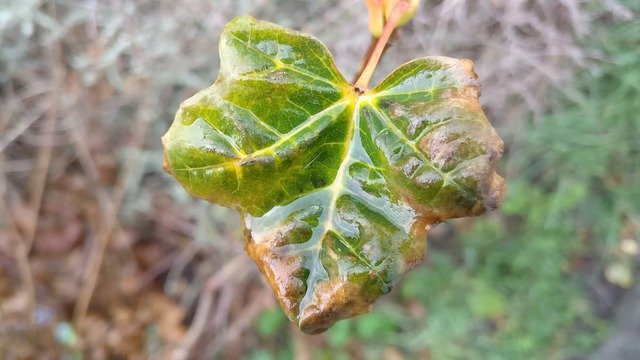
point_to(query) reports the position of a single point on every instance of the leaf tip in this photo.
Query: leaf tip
(334, 299)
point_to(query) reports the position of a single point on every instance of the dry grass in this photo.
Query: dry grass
(92, 232)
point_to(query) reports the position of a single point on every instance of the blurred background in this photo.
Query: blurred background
(102, 255)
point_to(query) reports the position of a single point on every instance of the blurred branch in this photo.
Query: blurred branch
(39, 178)
(234, 267)
(110, 219)
(242, 322)
(17, 242)
(26, 120)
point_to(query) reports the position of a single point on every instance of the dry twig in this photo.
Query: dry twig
(236, 267)
(109, 222)
(21, 253)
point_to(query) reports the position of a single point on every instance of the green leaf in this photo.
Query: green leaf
(337, 187)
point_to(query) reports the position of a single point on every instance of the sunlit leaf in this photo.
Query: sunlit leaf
(337, 187)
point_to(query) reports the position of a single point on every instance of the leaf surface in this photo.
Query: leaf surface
(337, 187)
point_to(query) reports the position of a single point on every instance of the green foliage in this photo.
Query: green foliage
(263, 354)
(511, 295)
(271, 321)
(337, 185)
(339, 334)
(375, 325)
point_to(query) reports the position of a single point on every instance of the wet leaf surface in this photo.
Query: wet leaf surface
(338, 187)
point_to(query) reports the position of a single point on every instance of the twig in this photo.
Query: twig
(89, 166)
(154, 271)
(260, 303)
(110, 222)
(177, 267)
(205, 304)
(365, 58)
(21, 252)
(225, 300)
(39, 179)
(26, 120)
(398, 10)
(22, 257)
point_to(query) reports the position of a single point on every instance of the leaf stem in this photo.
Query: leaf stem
(365, 58)
(363, 81)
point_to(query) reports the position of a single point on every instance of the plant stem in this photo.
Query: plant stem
(399, 9)
(365, 58)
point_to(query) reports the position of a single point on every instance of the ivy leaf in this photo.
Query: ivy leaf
(337, 186)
